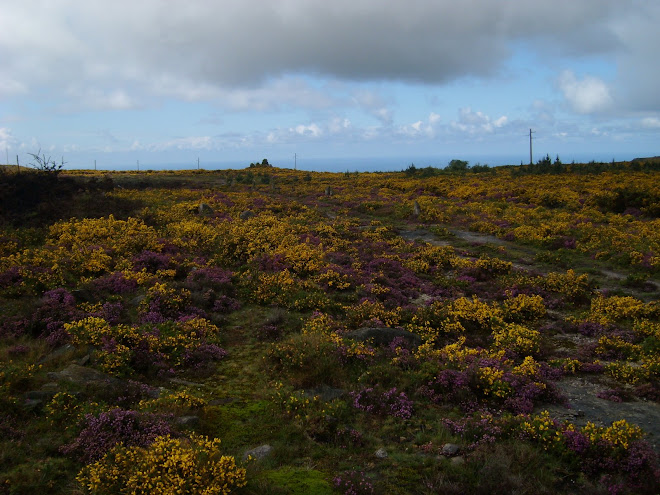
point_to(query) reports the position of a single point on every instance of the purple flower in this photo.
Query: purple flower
(576, 441)
(151, 261)
(388, 403)
(101, 433)
(115, 283)
(200, 356)
(353, 483)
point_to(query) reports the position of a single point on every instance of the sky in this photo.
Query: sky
(304, 82)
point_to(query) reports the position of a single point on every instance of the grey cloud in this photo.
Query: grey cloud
(236, 43)
(229, 51)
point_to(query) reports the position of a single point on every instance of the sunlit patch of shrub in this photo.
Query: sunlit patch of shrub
(517, 338)
(524, 308)
(167, 466)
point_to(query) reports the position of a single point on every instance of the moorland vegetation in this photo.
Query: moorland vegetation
(271, 331)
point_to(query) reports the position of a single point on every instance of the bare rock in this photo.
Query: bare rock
(450, 449)
(188, 421)
(81, 375)
(381, 453)
(258, 453)
(205, 209)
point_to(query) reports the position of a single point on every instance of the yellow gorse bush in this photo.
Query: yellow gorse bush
(569, 284)
(517, 338)
(620, 434)
(173, 402)
(541, 428)
(612, 309)
(524, 308)
(122, 237)
(168, 466)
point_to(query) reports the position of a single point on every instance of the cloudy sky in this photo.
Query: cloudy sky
(165, 81)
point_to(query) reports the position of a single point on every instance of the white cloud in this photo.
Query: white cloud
(373, 104)
(7, 140)
(185, 143)
(312, 130)
(10, 86)
(651, 122)
(338, 125)
(587, 95)
(476, 122)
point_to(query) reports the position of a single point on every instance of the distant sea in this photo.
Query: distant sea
(366, 164)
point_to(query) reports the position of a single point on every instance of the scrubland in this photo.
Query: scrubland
(158, 326)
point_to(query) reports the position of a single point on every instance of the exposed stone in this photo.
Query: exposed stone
(450, 449)
(381, 453)
(205, 209)
(33, 404)
(382, 336)
(246, 215)
(328, 191)
(155, 392)
(258, 453)
(416, 209)
(458, 461)
(80, 375)
(58, 353)
(42, 395)
(188, 421)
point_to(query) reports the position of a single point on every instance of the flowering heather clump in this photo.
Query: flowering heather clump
(199, 357)
(353, 483)
(115, 283)
(576, 441)
(58, 307)
(450, 386)
(349, 437)
(477, 429)
(18, 350)
(151, 261)
(272, 263)
(163, 303)
(610, 394)
(225, 304)
(210, 277)
(101, 433)
(388, 403)
(10, 278)
(592, 329)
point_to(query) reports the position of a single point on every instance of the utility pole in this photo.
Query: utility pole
(295, 161)
(197, 163)
(531, 160)
(95, 165)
